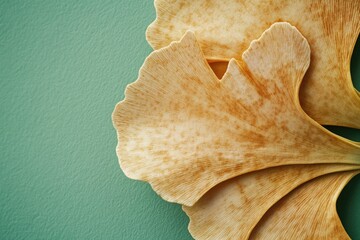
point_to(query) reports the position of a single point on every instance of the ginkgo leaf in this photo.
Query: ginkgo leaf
(308, 212)
(225, 29)
(184, 131)
(232, 209)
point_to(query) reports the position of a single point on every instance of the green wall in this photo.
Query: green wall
(63, 67)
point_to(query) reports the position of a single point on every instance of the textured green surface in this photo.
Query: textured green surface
(63, 67)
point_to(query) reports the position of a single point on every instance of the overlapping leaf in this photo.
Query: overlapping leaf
(233, 208)
(225, 29)
(309, 212)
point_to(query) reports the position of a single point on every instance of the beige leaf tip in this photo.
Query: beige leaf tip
(281, 51)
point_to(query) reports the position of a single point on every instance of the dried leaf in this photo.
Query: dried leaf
(309, 212)
(184, 131)
(232, 209)
(225, 28)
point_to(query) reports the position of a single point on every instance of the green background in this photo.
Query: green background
(63, 67)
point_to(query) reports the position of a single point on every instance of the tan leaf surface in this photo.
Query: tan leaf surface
(225, 29)
(232, 209)
(309, 212)
(184, 131)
